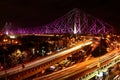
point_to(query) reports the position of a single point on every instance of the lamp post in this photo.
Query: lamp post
(5, 40)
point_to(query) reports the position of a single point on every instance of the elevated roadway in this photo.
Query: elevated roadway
(80, 68)
(37, 66)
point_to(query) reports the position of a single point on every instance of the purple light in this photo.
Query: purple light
(74, 21)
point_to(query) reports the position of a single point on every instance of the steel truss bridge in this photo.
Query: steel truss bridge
(74, 22)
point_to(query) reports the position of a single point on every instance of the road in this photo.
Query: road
(77, 68)
(44, 60)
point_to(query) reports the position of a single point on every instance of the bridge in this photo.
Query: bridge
(76, 23)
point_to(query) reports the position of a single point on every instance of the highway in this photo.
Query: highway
(45, 60)
(80, 67)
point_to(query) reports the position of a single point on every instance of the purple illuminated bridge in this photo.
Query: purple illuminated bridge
(74, 22)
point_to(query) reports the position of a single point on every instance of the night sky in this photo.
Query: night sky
(39, 12)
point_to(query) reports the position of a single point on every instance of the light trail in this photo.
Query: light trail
(46, 59)
(77, 68)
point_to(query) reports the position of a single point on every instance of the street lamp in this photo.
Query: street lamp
(5, 40)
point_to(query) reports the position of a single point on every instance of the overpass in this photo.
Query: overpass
(85, 70)
(41, 65)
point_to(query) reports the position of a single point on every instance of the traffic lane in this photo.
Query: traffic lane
(78, 67)
(44, 60)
